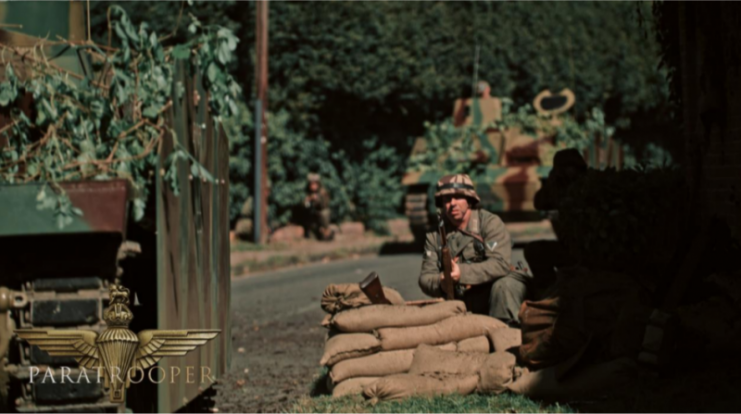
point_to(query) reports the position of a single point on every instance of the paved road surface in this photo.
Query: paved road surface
(276, 337)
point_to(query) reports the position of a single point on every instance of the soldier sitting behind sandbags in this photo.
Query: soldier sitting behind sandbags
(545, 256)
(318, 214)
(481, 249)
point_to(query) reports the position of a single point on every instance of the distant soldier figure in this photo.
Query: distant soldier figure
(316, 203)
(483, 89)
(479, 109)
(481, 249)
(545, 256)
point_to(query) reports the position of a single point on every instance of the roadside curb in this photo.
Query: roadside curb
(251, 267)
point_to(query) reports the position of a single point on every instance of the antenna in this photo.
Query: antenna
(475, 71)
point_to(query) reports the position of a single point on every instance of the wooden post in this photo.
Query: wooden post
(261, 127)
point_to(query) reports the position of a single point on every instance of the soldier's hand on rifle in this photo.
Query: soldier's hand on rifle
(455, 271)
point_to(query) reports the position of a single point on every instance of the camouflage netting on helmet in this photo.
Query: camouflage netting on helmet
(630, 220)
(458, 184)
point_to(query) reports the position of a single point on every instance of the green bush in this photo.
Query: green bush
(375, 188)
(404, 62)
(364, 69)
(366, 190)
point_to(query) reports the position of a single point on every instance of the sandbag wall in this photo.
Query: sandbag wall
(395, 351)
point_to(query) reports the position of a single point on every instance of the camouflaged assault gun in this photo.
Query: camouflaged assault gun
(511, 163)
(175, 260)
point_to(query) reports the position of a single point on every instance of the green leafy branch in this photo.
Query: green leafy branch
(450, 149)
(109, 123)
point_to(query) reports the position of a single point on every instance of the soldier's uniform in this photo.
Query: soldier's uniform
(487, 285)
(318, 209)
(545, 256)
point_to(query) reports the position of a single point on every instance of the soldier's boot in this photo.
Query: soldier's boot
(327, 234)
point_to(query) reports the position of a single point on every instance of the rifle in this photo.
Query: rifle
(447, 262)
(372, 288)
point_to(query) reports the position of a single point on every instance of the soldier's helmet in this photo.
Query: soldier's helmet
(482, 86)
(456, 184)
(313, 177)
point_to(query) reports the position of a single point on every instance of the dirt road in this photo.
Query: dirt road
(276, 337)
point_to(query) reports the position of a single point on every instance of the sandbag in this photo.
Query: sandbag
(479, 344)
(407, 385)
(346, 346)
(504, 339)
(588, 382)
(378, 365)
(352, 386)
(429, 360)
(338, 297)
(497, 372)
(372, 317)
(453, 329)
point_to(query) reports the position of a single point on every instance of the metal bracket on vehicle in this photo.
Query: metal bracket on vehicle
(9, 299)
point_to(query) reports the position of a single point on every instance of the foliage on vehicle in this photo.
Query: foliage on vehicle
(109, 123)
(450, 149)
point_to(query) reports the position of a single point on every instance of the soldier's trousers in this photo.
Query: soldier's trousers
(317, 221)
(500, 299)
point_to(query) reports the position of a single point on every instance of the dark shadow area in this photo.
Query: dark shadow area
(520, 216)
(320, 386)
(204, 403)
(392, 248)
(677, 331)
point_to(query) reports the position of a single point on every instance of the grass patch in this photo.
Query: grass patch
(505, 403)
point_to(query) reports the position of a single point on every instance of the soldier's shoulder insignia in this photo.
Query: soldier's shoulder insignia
(491, 245)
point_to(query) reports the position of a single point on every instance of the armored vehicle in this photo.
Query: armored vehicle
(174, 260)
(507, 161)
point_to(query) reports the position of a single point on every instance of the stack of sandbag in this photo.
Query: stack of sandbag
(340, 297)
(440, 371)
(374, 341)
